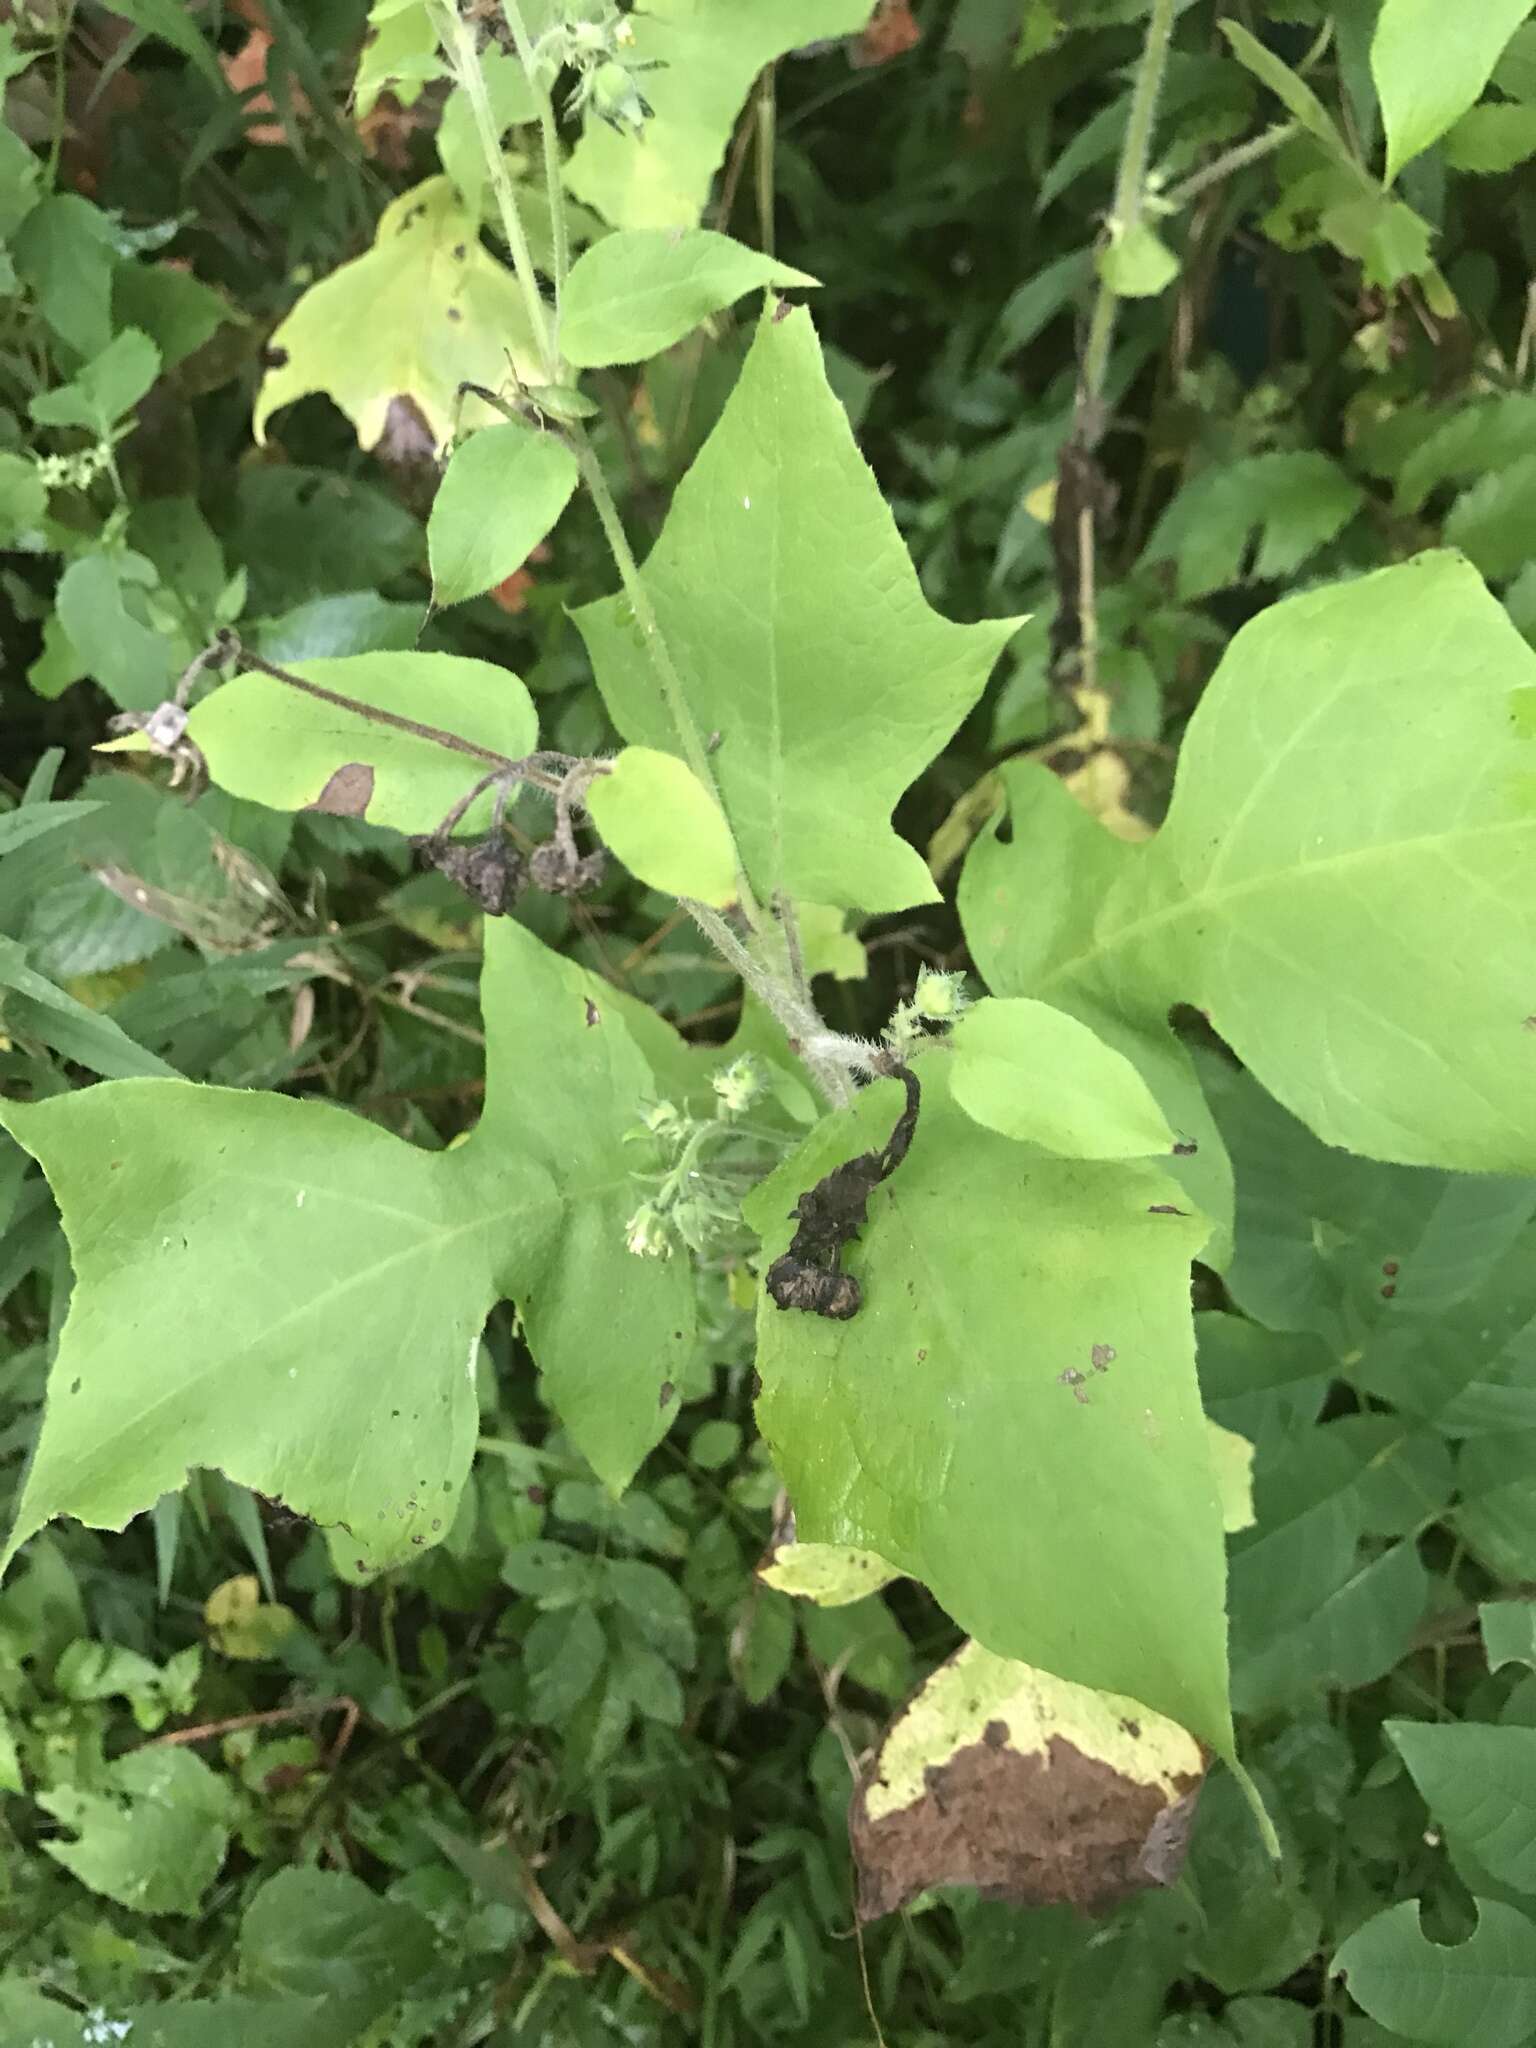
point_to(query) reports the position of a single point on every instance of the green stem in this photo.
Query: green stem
(767, 112)
(1238, 158)
(553, 180)
(458, 41)
(1130, 190)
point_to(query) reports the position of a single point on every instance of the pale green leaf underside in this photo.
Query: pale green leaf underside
(424, 310)
(277, 746)
(1482, 1989)
(633, 294)
(288, 1293)
(1035, 1073)
(503, 490)
(1430, 63)
(663, 824)
(709, 52)
(790, 606)
(1479, 1784)
(1343, 881)
(1012, 1416)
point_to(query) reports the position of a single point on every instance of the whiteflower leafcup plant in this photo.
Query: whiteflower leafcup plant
(973, 1236)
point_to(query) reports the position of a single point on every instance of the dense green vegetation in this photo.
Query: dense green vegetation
(767, 970)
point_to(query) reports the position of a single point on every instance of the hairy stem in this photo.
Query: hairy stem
(806, 1032)
(553, 181)
(1130, 190)
(459, 43)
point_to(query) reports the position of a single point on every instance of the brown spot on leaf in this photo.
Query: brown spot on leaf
(347, 793)
(1391, 1268)
(667, 1391)
(1165, 1209)
(1061, 1828)
(1185, 1148)
(594, 1014)
(1102, 1356)
(1389, 1290)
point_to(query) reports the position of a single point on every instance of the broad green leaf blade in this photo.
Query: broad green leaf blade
(709, 52)
(426, 309)
(1430, 65)
(1482, 1990)
(566, 1085)
(1480, 1785)
(791, 609)
(633, 294)
(1342, 881)
(275, 745)
(1072, 864)
(504, 489)
(660, 820)
(1025, 1325)
(274, 1288)
(1035, 1073)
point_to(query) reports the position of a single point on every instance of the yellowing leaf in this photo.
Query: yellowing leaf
(427, 308)
(1232, 1459)
(665, 826)
(240, 1624)
(830, 1574)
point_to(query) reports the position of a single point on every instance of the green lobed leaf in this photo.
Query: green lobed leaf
(1430, 66)
(633, 294)
(1035, 1073)
(665, 826)
(709, 52)
(1341, 883)
(802, 636)
(278, 1289)
(268, 742)
(503, 490)
(1025, 1323)
(425, 309)
(1295, 500)
(153, 1837)
(1482, 1989)
(1480, 1785)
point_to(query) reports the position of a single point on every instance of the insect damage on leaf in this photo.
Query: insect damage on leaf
(831, 1214)
(1034, 1790)
(347, 793)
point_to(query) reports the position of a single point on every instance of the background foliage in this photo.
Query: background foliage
(577, 1773)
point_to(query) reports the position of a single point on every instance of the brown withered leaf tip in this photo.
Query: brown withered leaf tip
(1028, 1814)
(347, 793)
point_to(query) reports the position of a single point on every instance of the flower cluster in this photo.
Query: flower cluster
(696, 1198)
